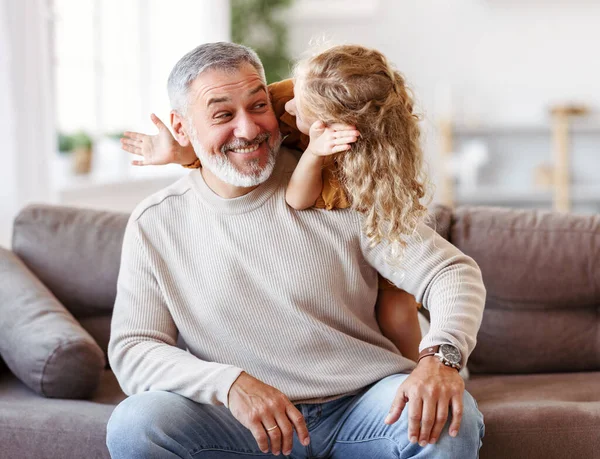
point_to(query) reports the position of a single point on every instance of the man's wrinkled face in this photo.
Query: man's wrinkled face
(232, 126)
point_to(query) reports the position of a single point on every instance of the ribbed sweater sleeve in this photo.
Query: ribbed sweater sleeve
(444, 280)
(142, 349)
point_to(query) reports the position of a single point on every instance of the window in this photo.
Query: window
(112, 59)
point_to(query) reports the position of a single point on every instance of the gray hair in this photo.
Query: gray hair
(220, 55)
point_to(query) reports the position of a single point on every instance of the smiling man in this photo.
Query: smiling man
(276, 306)
(240, 154)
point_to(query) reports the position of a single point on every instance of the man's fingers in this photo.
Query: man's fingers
(287, 433)
(427, 420)
(443, 407)
(260, 435)
(274, 432)
(457, 411)
(299, 424)
(397, 407)
(138, 162)
(415, 414)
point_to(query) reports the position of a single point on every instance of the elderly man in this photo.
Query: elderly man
(276, 306)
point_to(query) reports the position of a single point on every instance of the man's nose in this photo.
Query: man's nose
(246, 128)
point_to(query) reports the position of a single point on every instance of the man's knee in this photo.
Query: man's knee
(133, 420)
(471, 425)
(468, 441)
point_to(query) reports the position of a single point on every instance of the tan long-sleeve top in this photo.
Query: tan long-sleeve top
(287, 296)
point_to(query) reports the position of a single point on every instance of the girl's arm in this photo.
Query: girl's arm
(158, 149)
(306, 183)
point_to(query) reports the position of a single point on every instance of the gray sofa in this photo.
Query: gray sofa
(535, 372)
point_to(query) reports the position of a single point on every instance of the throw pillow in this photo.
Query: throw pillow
(40, 341)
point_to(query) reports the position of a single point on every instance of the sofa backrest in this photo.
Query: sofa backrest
(541, 271)
(76, 253)
(542, 274)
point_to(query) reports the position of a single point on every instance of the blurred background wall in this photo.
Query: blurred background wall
(485, 75)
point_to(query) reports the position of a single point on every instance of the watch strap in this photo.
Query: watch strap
(428, 351)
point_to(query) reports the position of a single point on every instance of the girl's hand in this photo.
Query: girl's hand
(156, 150)
(328, 140)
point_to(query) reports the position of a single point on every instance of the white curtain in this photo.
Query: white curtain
(27, 133)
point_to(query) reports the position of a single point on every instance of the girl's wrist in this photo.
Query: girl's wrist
(314, 156)
(185, 156)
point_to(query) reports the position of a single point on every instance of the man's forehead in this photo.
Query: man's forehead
(218, 85)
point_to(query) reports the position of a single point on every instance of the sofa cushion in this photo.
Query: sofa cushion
(549, 416)
(40, 341)
(36, 427)
(542, 274)
(75, 252)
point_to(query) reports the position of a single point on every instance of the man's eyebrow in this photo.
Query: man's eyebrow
(216, 100)
(258, 89)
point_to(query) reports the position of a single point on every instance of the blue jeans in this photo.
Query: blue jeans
(166, 425)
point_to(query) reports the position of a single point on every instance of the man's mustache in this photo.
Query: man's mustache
(237, 144)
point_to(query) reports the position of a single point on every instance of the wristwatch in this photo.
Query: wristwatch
(447, 353)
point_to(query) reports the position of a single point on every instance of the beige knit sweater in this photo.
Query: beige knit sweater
(287, 296)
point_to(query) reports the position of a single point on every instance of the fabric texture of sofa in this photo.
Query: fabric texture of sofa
(535, 371)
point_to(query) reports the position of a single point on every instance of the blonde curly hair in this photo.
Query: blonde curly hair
(382, 173)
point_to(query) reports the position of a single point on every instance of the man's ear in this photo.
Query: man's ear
(179, 130)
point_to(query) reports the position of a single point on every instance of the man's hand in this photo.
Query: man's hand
(325, 141)
(431, 388)
(260, 407)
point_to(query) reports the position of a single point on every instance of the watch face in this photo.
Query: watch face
(450, 353)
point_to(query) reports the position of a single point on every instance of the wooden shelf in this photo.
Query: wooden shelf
(499, 195)
(494, 195)
(521, 130)
(558, 132)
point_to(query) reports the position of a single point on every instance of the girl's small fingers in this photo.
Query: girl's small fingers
(348, 133)
(342, 127)
(157, 121)
(138, 163)
(133, 135)
(131, 143)
(130, 149)
(339, 148)
(344, 140)
(318, 125)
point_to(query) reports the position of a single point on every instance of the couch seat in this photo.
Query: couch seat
(34, 426)
(555, 412)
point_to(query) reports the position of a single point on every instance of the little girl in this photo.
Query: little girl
(353, 118)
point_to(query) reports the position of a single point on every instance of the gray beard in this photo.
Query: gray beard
(223, 168)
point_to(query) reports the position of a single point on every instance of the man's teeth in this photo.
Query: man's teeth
(246, 150)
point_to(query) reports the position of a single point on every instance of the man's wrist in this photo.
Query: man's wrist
(434, 360)
(447, 354)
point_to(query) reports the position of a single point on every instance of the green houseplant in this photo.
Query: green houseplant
(80, 144)
(259, 24)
